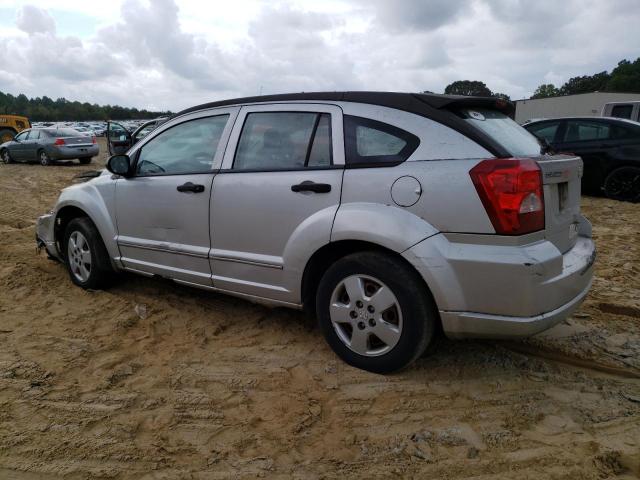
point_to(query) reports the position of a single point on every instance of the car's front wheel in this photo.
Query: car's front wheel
(375, 312)
(85, 255)
(623, 184)
(44, 159)
(6, 156)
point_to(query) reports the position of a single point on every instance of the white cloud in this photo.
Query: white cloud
(162, 54)
(32, 20)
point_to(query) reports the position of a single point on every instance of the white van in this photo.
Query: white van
(629, 110)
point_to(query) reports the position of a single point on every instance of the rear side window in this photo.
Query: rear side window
(624, 132)
(585, 130)
(514, 138)
(622, 111)
(284, 141)
(545, 130)
(376, 144)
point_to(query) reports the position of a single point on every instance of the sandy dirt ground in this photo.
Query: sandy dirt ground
(152, 380)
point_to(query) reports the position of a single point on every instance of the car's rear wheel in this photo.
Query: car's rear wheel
(375, 312)
(6, 134)
(86, 256)
(623, 184)
(6, 156)
(43, 158)
(85, 161)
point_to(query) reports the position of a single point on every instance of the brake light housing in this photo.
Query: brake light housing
(512, 194)
(94, 140)
(59, 141)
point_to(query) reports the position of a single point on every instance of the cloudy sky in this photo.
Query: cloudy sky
(170, 54)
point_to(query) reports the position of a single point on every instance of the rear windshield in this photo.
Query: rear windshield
(515, 139)
(63, 132)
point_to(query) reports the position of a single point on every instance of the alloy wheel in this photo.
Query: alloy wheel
(366, 315)
(44, 159)
(79, 256)
(624, 184)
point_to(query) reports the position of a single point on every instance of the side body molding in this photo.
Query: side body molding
(385, 225)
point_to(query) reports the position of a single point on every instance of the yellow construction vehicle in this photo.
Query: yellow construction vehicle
(10, 125)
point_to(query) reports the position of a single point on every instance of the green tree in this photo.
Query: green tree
(46, 109)
(586, 84)
(502, 96)
(468, 88)
(625, 77)
(546, 90)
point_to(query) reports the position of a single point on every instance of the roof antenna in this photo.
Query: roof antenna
(260, 92)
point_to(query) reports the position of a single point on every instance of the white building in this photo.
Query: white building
(584, 104)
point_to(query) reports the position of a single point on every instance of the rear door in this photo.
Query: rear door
(162, 212)
(118, 138)
(590, 140)
(276, 196)
(32, 145)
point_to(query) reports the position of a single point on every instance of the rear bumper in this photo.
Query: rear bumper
(478, 325)
(504, 290)
(66, 153)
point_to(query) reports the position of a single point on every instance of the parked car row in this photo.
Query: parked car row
(609, 148)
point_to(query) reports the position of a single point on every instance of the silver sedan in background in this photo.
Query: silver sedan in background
(46, 145)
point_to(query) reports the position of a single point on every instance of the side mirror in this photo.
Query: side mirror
(119, 165)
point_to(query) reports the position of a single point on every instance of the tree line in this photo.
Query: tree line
(624, 78)
(43, 109)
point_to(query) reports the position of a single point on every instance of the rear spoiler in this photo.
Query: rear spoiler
(450, 102)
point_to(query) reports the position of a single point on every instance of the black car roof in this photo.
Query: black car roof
(430, 105)
(419, 103)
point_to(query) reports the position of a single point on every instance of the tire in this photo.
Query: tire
(86, 256)
(85, 161)
(6, 134)
(6, 156)
(44, 158)
(623, 184)
(392, 330)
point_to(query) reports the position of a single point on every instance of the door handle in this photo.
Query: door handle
(190, 187)
(309, 186)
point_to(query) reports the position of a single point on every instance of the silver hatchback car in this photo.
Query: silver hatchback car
(387, 215)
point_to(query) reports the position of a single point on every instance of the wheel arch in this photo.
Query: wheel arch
(327, 255)
(70, 211)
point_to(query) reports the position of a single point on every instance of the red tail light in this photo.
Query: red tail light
(93, 140)
(511, 192)
(59, 141)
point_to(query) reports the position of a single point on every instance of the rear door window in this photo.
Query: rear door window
(586, 131)
(284, 141)
(514, 138)
(372, 143)
(34, 135)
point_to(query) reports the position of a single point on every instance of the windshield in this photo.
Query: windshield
(62, 132)
(518, 141)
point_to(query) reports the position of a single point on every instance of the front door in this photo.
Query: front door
(118, 138)
(18, 148)
(162, 212)
(275, 198)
